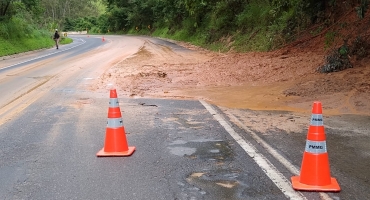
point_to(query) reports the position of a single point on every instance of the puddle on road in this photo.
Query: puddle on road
(216, 150)
(220, 183)
(222, 180)
(82, 102)
(229, 184)
(184, 121)
(182, 151)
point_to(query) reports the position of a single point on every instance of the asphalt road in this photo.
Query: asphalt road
(51, 128)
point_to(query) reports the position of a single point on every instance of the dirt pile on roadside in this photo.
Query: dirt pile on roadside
(261, 81)
(286, 79)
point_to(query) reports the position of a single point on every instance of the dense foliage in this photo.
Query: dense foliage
(29, 24)
(252, 24)
(243, 25)
(45, 14)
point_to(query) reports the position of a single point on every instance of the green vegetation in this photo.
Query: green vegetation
(66, 40)
(27, 25)
(18, 35)
(240, 25)
(12, 46)
(253, 25)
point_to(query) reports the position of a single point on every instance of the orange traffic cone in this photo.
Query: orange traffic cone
(115, 136)
(103, 39)
(315, 170)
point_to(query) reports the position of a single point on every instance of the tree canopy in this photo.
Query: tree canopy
(48, 13)
(272, 22)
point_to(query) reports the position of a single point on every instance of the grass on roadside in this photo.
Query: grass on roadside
(66, 40)
(14, 46)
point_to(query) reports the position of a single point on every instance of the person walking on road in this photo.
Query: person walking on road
(56, 38)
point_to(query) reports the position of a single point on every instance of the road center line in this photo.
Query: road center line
(276, 177)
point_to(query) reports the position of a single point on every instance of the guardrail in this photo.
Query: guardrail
(76, 32)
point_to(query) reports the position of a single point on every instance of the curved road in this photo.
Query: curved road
(52, 126)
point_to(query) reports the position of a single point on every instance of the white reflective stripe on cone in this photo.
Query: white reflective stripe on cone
(317, 147)
(114, 122)
(316, 120)
(113, 103)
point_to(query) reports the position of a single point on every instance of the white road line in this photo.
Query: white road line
(293, 169)
(279, 180)
(83, 42)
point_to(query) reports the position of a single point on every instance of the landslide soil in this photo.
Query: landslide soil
(259, 81)
(286, 79)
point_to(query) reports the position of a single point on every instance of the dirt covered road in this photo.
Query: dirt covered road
(284, 80)
(270, 94)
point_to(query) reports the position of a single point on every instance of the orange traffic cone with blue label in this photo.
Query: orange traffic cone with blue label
(115, 136)
(315, 169)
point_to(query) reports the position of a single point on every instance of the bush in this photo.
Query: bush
(66, 40)
(360, 48)
(337, 60)
(254, 15)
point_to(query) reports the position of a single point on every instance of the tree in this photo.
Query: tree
(56, 11)
(4, 6)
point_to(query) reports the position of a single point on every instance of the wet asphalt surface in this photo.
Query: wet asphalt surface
(49, 151)
(348, 146)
